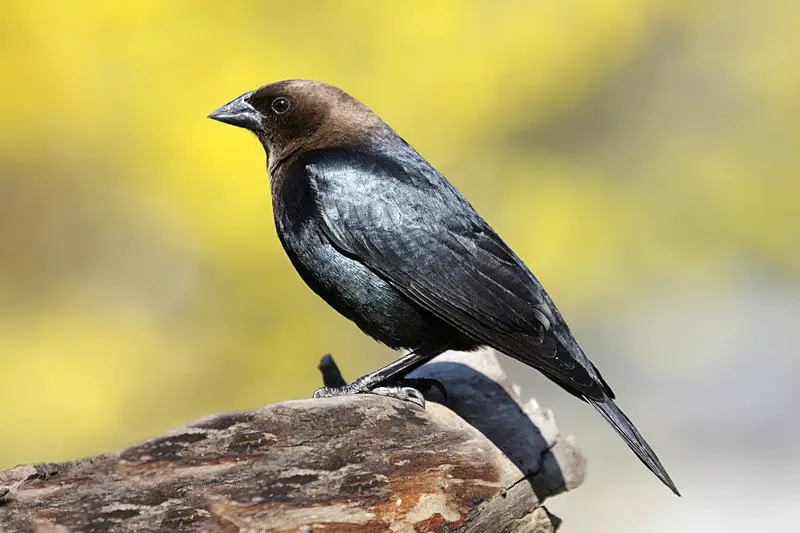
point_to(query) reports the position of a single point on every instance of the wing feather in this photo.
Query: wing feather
(425, 239)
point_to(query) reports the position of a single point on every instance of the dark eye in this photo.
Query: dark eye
(281, 105)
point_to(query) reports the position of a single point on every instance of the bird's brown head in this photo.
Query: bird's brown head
(299, 115)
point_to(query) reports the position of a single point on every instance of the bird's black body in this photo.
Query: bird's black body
(344, 282)
(387, 241)
(361, 226)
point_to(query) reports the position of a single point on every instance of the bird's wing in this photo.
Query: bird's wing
(412, 228)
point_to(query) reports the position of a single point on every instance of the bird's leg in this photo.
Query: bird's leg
(382, 381)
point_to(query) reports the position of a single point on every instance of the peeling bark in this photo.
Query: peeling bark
(364, 463)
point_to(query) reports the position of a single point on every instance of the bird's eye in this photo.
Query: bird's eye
(280, 105)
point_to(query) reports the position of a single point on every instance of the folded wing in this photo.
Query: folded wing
(412, 228)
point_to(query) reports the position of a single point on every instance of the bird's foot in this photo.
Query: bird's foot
(404, 389)
(408, 390)
(406, 394)
(344, 390)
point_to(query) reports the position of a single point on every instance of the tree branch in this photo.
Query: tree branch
(485, 462)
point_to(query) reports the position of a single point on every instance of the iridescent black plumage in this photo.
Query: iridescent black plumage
(388, 242)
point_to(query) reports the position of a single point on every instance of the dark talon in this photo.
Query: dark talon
(406, 394)
(424, 385)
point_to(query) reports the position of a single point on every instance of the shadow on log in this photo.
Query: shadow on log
(364, 463)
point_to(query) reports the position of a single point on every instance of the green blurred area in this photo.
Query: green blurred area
(616, 145)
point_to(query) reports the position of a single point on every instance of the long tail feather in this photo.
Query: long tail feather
(622, 425)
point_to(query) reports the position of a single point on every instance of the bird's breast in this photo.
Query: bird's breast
(346, 284)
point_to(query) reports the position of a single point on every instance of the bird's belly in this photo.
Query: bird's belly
(359, 294)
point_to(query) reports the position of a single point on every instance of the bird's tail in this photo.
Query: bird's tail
(622, 425)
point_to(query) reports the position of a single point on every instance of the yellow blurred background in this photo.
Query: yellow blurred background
(641, 157)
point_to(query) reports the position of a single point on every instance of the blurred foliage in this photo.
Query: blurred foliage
(617, 145)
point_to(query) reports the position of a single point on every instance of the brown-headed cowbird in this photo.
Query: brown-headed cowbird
(387, 241)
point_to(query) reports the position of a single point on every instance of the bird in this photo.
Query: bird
(387, 241)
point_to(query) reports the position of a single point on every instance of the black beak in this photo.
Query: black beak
(240, 113)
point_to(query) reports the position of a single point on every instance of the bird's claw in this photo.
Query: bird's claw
(406, 394)
(424, 385)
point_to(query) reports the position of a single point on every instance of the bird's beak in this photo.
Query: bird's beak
(240, 113)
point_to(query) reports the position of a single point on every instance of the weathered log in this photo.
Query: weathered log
(484, 463)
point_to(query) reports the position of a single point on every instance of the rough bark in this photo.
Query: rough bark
(483, 463)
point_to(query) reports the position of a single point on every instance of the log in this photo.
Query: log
(483, 462)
